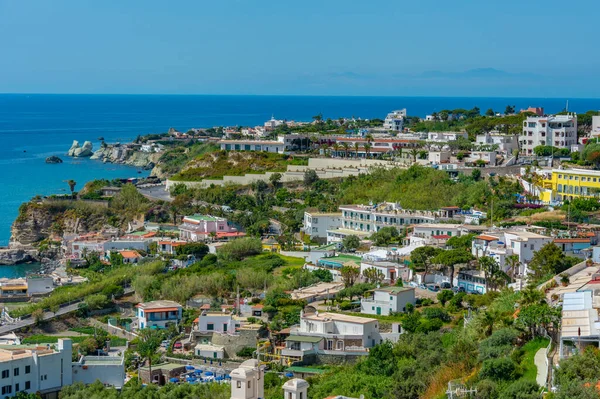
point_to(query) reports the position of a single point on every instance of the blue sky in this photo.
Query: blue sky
(532, 48)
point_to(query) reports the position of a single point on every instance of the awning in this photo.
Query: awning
(304, 338)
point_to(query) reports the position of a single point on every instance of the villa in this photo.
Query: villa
(158, 314)
(204, 227)
(388, 300)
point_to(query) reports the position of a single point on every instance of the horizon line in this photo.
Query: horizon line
(284, 95)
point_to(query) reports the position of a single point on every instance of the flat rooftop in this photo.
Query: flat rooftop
(338, 317)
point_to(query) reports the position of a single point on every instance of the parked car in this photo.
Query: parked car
(178, 345)
(422, 286)
(445, 285)
(458, 289)
(165, 343)
(433, 287)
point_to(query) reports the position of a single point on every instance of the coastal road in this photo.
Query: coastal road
(47, 315)
(156, 193)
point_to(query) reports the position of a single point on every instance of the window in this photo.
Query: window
(16, 371)
(340, 345)
(289, 395)
(249, 384)
(5, 373)
(301, 393)
(27, 369)
(6, 389)
(239, 384)
(210, 326)
(17, 387)
(315, 220)
(225, 327)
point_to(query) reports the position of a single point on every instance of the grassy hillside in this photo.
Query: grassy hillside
(215, 165)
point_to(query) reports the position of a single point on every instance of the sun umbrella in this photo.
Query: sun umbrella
(174, 379)
(209, 374)
(188, 367)
(289, 375)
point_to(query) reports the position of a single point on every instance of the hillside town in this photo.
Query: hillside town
(276, 256)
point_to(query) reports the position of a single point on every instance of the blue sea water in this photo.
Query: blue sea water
(35, 126)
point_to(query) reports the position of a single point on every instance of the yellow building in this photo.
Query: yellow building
(565, 184)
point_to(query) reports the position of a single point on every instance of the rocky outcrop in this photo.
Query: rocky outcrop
(127, 155)
(13, 256)
(54, 159)
(81, 151)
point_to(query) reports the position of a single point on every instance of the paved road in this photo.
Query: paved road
(542, 367)
(156, 193)
(47, 316)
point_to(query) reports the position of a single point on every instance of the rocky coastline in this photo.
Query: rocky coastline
(129, 154)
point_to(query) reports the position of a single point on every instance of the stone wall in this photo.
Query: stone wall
(232, 344)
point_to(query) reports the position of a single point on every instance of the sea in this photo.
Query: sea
(35, 126)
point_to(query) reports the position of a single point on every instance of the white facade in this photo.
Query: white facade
(209, 351)
(388, 269)
(247, 381)
(388, 300)
(489, 157)
(595, 126)
(443, 137)
(316, 224)
(506, 143)
(252, 145)
(558, 131)
(216, 322)
(81, 248)
(439, 156)
(158, 314)
(429, 230)
(395, 120)
(47, 371)
(333, 326)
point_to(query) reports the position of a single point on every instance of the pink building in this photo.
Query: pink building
(539, 111)
(202, 227)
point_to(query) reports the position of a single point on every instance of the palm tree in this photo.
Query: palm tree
(336, 149)
(367, 149)
(212, 235)
(149, 342)
(414, 152)
(369, 138)
(72, 183)
(346, 147)
(399, 152)
(513, 265)
(356, 148)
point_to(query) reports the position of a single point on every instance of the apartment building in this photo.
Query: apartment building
(563, 184)
(500, 245)
(220, 322)
(506, 143)
(332, 333)
(595, 126)
(316, 224)
(554, 130)
(364, 220)
(45, 371)
(395, 120)
(444, 137)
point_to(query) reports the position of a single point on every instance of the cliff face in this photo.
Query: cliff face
(41, 220)
(126, 155)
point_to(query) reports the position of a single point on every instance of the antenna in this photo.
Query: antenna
(567, 108)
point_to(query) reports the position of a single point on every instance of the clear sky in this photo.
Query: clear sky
(527, 48)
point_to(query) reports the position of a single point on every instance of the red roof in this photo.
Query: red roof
(259, 306)
(485, 237)
(206, 306)
(441, 237)
(155, 310)
(567, 240)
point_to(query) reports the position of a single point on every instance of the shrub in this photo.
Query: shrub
(436, 313)
(248, 351)
(240, 248)
(501, 369)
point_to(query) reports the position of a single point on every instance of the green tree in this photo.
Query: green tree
(323, 275)
(509, 110)
(310, 177)
(490, 112)
(421, 257)
(591, 153)
(549, 259)
(97, 301)
(373, 275)
(476, 174)
(522, 389)
(452, 257)
(351, 243)
(275, 179)
(444, 296)
(147, 345)
(349, 275)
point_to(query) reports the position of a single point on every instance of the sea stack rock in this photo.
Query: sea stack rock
(54, 159)
(80, 151)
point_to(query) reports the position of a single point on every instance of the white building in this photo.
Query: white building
(252, 145)
(437, 230)
(471, 281)
(45, 371)
(506, 143)
(247, 381)
(395, 120)
(595, 126)
(390, 270)
(489, 157)
(316, 224)
(580, 323)
(443, 137)
(203, 227)
(272, 123)
(500, 245)
(210, 351)
(557, 131)
(332, 333)
(388, 300)
(158, 314)
(439, 156)
(220, 322)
